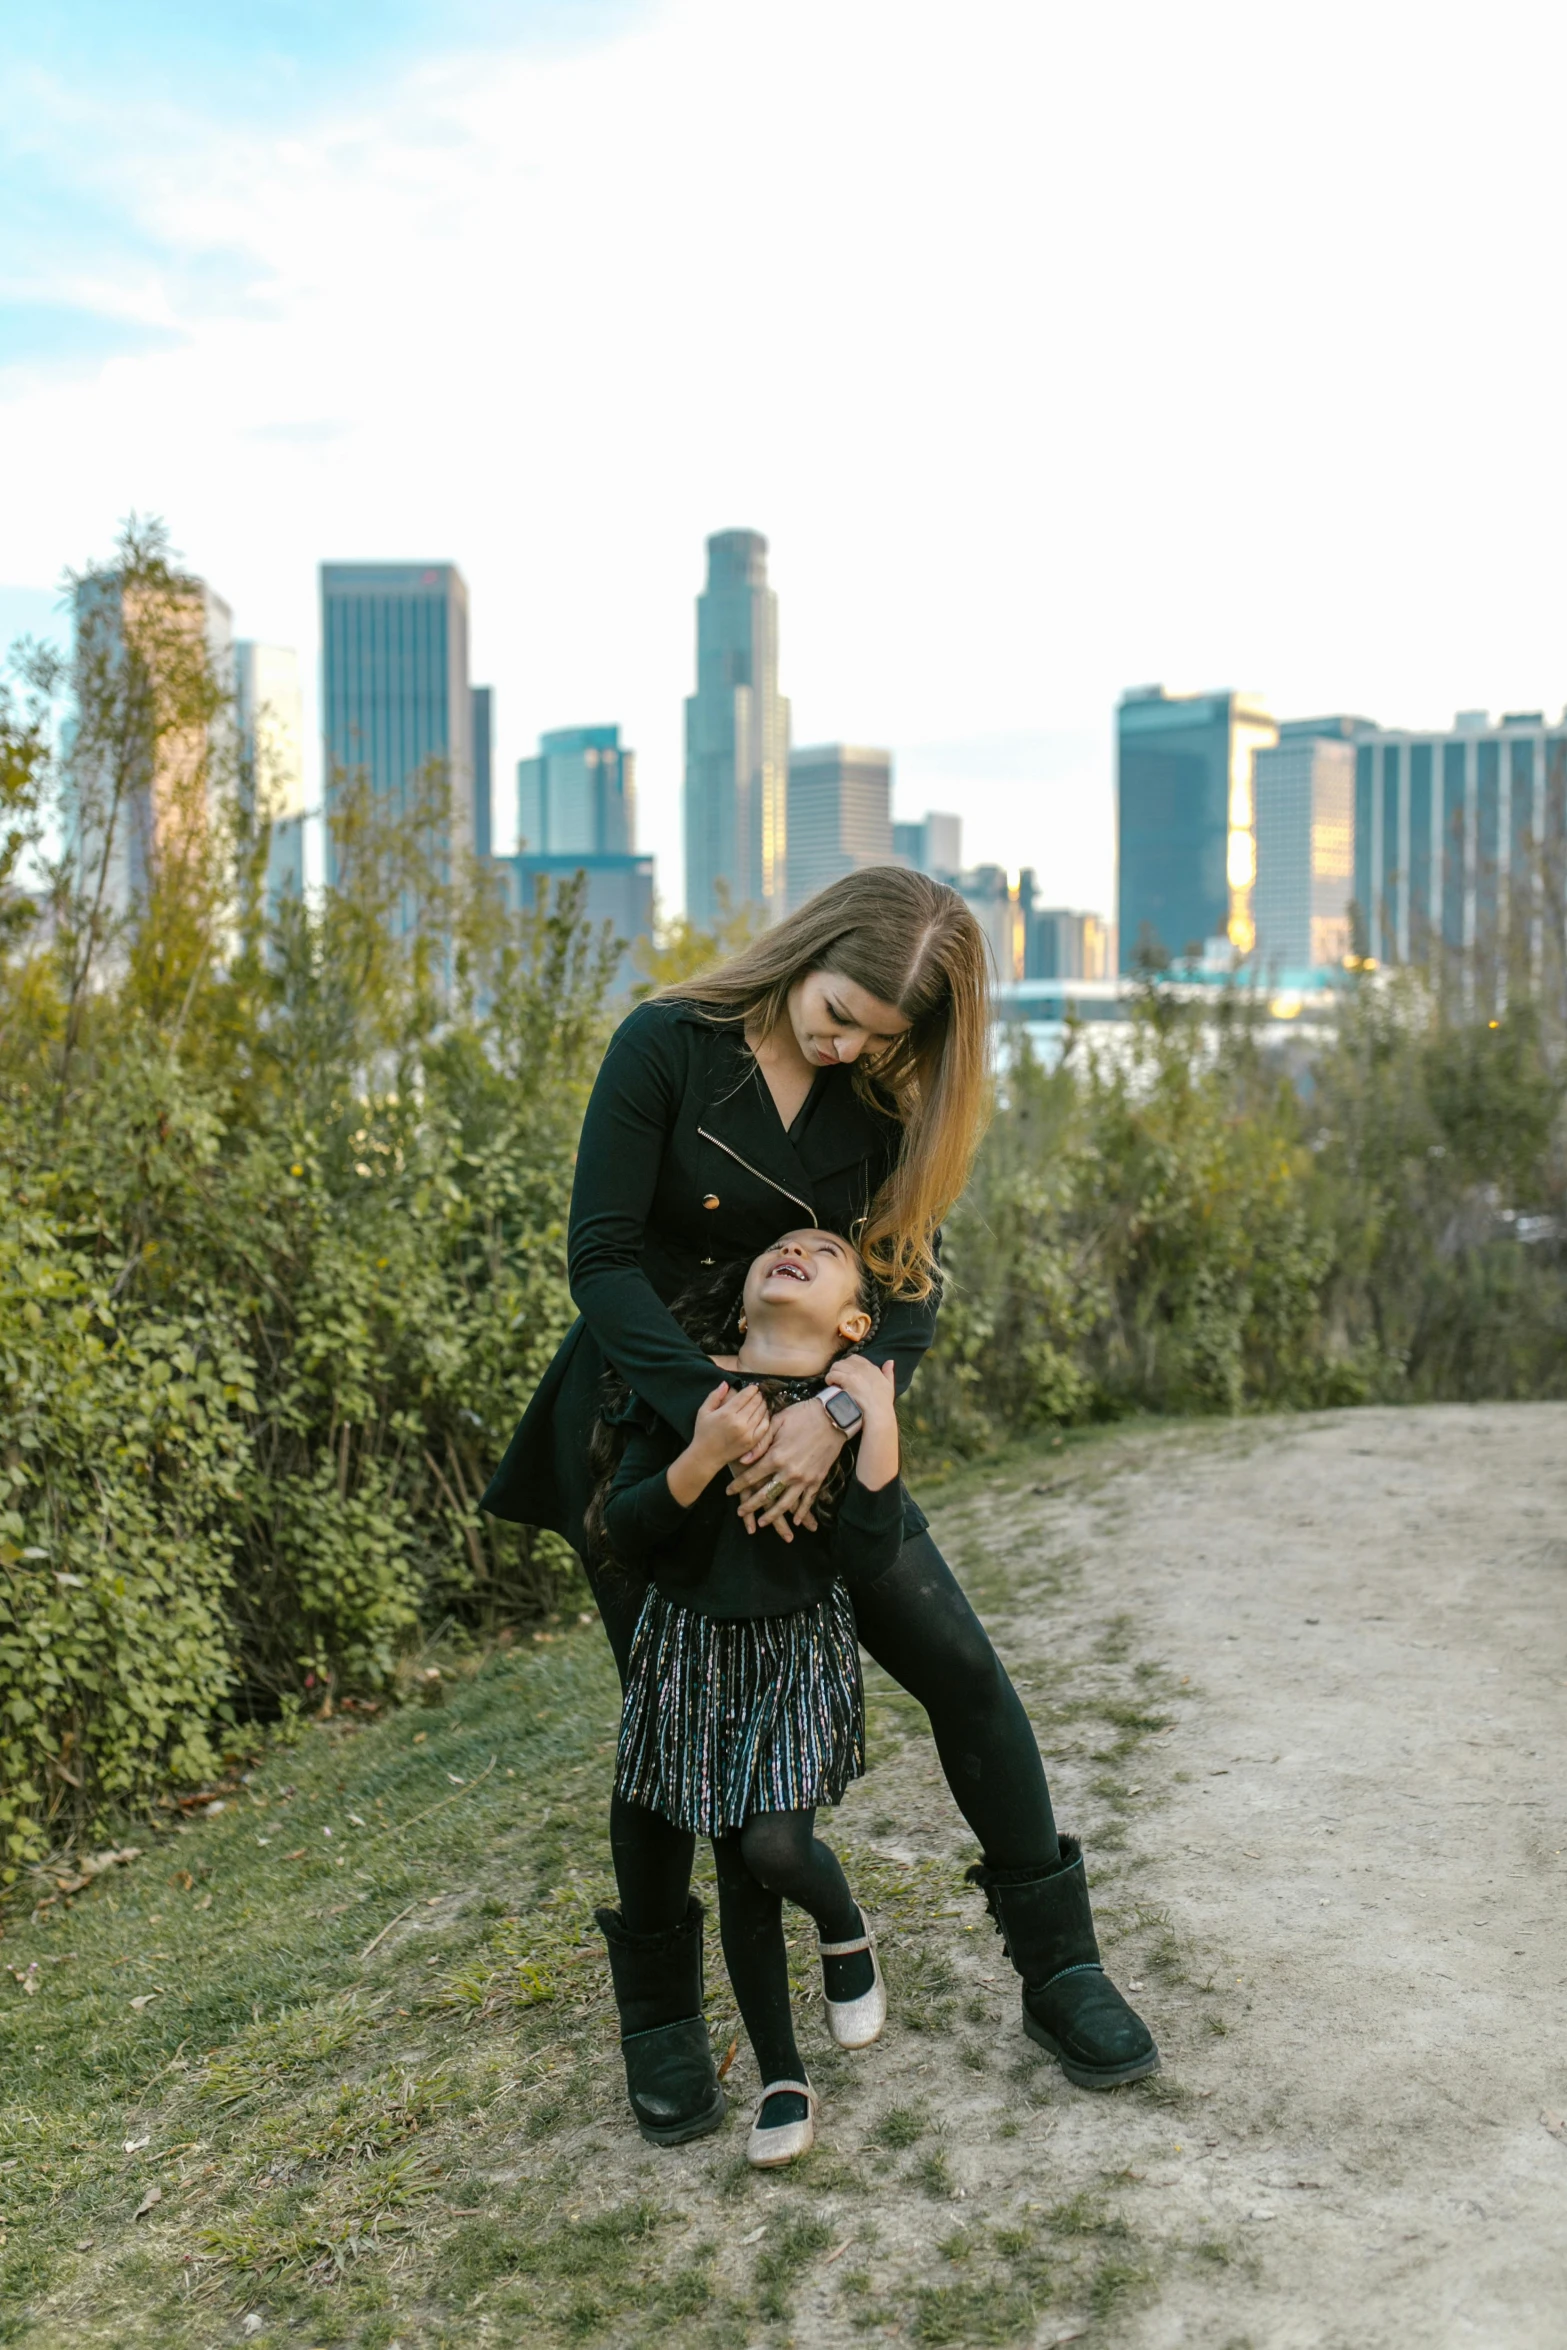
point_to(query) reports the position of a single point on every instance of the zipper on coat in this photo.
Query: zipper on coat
(756, 1171)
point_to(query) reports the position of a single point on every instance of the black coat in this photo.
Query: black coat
(684, 1161)
(701, 1556)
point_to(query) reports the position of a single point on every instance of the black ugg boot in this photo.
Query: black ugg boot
(670, 2077)
(1070, 2005)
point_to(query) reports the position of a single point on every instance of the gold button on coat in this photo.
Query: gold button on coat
(711, 1200)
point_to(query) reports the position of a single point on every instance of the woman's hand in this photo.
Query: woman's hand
(778, 1480)
(870, 1385)
(874, 1392)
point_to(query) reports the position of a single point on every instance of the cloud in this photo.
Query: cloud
(49, 338)
(1051, 348)
(111, 115)
(306, 432)
(277, 61)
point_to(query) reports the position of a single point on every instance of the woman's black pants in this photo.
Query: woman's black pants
(921, 1630)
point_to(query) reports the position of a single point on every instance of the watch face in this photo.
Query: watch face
(844, 1412)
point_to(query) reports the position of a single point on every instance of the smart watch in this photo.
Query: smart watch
(844, 1413)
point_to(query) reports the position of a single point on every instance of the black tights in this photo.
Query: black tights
(775, 1857)
(918, 1626)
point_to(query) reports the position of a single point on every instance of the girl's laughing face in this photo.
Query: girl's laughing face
(811, 1279)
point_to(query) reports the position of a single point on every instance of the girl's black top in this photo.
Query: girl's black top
(684, 1161)
(702, 1557)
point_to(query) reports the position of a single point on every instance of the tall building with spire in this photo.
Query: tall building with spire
(737, 739)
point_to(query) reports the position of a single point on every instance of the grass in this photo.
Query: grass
(340, 2055)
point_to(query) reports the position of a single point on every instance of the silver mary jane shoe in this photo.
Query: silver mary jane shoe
(855, 2023)
(771, 2149)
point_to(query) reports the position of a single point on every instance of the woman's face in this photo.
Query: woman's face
(812, 1279)
(835, 1019)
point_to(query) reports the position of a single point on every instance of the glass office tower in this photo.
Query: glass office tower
(840, 815)
(396, 703)
(483, 769)
(1461, 842)
(1305, 792)
(1185, 823)
(579, 795)
(737, 738)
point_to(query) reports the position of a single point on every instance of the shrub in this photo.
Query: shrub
(282, 1241)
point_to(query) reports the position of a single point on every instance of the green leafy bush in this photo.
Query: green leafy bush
(1181, 1222)
(282, 1239)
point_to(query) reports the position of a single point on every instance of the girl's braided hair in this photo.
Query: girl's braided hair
(709, 1310)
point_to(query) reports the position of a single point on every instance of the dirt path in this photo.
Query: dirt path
(1364, 1841)
(1337, 1881)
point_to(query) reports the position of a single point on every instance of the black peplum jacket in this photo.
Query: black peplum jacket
(702, 1557)
(684, 1161)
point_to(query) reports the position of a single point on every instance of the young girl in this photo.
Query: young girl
(743, 1708)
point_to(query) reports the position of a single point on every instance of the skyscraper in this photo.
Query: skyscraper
(996, 903)
(1305, 791)
(1461, 840)
(934, 845)
(840, 815)
(737, 738)
(1186, 841)
(129, 816)
(579, 795)
(1059, 943)
(270, 714)
(483, 769)
(397, 707)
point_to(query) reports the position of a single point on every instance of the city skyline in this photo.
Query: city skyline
(481, 817)
(1340, 836)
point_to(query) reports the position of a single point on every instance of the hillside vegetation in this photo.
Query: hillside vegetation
(283, 1199)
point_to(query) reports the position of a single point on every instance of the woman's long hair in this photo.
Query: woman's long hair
(912, 943)
(708, 1310)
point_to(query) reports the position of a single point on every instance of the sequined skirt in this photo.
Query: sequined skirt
(726, 1718)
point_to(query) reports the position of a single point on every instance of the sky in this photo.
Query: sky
(1054, 349)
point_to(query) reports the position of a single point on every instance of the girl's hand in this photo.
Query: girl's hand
(778, 1480)
(726, 1424)
(729, 1423)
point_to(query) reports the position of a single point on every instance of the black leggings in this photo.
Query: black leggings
(775, 1857)
(921, 1630)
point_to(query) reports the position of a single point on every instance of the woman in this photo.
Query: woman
(834, 1073)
